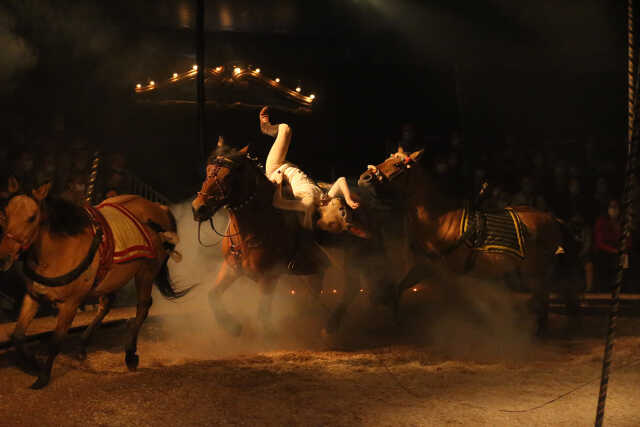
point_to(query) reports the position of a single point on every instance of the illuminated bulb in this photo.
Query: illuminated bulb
(415, 289)
(152, 83)
(195, 67)
(362, 291)
(293, 292)
(237, 70)
(257, 70)
(298, 89)
(175, 75)
(312, 96)
(138, 86)
(218, 69)
(277, 79)
(334, 291)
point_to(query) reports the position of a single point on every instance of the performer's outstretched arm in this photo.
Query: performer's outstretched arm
(341, 187)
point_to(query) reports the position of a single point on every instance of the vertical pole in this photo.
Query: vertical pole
(200, 60)
(92, 178)
(627, 211)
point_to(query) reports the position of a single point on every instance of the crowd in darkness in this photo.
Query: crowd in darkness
(579, 181)
(65, 163)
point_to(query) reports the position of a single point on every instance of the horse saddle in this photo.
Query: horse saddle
(494, 231)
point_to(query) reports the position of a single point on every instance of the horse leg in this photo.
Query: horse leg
(267, 285)
(66, 312)
(351, 290)
(417, 273)
(27, 312)
(226, 277)
(103, 310)
(144, 282)
(539, 302)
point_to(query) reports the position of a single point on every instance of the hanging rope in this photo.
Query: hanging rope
(627, 220)
(92, 178)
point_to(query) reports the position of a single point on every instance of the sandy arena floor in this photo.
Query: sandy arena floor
(458, 369)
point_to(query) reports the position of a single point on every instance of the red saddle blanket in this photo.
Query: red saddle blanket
(129, 238)
(124, 237)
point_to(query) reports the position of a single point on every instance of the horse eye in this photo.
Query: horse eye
(31, 218)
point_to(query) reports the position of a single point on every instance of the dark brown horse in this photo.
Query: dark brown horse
(68, 254)
(261, 242)
(437, 232)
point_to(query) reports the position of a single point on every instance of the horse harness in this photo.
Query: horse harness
(100, 243)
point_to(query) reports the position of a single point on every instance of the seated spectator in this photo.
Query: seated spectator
(525, 196)
(76, 189)
(23, 170)
(606, 237)
(601, 196)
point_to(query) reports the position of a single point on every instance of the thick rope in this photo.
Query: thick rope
(92, 178)
(627, 220)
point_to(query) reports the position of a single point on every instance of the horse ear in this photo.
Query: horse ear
(41, 192)
(245, 149)
(415, 156)
(221, 141)
(13, 186)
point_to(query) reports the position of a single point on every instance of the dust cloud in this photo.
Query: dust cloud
(462, 319)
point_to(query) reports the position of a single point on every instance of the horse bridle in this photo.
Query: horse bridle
(222, 193)
(24, 244)
(403, 163)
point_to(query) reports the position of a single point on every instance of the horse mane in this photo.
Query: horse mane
(63, 217)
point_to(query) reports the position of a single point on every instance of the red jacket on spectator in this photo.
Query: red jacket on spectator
(606, 235)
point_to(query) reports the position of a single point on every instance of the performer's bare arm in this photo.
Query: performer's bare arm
(340, 187)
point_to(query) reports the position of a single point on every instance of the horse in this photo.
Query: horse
(70, 253)
(446, 232)
(264, 243)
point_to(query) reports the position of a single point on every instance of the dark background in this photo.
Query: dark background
(543, 71)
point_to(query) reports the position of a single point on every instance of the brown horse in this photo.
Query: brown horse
(69, 253)
(437, 225)
(261, 242)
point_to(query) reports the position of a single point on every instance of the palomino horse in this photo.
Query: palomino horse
(70, 253)
(262, 242)
(518, 240)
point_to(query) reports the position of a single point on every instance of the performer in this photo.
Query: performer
(311, 200)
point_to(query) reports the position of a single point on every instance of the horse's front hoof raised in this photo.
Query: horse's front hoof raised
(40, 383)
(132, 360)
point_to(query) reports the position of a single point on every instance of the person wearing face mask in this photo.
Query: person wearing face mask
(606, 237)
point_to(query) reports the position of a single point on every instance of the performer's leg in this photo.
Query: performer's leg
(278, 153)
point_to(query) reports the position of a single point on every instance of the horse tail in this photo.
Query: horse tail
(165, 286)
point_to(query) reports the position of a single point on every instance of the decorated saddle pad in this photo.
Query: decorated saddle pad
(130, 239)
(500, 231)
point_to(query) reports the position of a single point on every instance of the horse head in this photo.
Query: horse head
(228, 183)
(20, 220)
(383, 177)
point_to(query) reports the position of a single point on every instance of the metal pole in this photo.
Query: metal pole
(627, 211)
(200, 60)
(92, 178)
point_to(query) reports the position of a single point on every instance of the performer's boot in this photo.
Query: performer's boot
(265, 125)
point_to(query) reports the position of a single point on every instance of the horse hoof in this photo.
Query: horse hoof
(40, 383)
(132, 361)
(82, 354)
